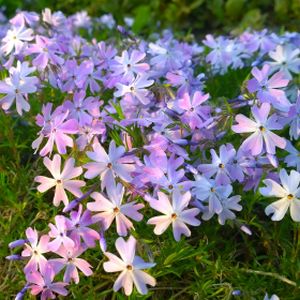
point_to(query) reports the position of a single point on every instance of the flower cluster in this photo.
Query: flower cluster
(132, 127)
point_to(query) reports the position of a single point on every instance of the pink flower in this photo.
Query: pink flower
(61, 180)
(71, 261)
(194, 113)
(58, 134)
(42, 283)
(108, 166)
(59, 233)
(175, 213)
(47, 50)
(268, 89)
(113, 208)
(130, 267)
(35, 249)
(82, 109)
(262, 137)
(80, 230)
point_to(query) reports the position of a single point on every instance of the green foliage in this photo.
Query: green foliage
(217, 259)
(200, 16)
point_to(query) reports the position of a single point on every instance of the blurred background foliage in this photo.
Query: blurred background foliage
(196, 16)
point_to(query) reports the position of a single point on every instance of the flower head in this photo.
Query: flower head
(262, 138)
(130, 266)
(61, 179)
(112, 208)
(108, 166)
(174, 213)
(288, 192)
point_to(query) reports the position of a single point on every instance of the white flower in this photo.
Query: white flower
(17, 87)
(130, 266)
(273, 297)
(15, 39)
(286, 59)
(288, 192)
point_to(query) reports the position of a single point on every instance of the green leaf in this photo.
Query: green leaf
(142, 18)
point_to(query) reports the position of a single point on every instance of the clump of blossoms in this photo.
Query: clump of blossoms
(136, 129)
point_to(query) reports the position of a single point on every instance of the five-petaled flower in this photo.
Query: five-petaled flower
(288, 192)
(61, 180)
(130, 266)
(175, 213)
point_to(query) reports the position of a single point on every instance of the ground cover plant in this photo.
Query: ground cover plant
(147, 167)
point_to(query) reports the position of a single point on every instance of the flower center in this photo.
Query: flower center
(212, 190)
(116, 210)
(58, 181)
(262, 128)
(132, 88)
(170, 187)
(192, 109)
(174, 216)
(129, 267)
(128, 66)
(221, 166)
(290, 197)
(109, 165)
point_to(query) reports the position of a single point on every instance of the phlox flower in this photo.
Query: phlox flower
(218, 199)
(88, 134)
(108, 166)
(56, 19)
(221, 166)
(70, 260)
(286, 60)
(61, 179)
(184, 80)
(136, 89)
(86, 76)
(17, 87)
(294, 119)
(194, 114)
(269, 89)
(174, 213)
(164, 172)
(81, 108)
(258, 41)
(58, 134)
(79, 222)
(273, 297)
(218, 56)
(207, 190)
(15, 39)
(35, 249)
(262, 138)
(47, 51)
(59, 233)
(130, 266)
(82, 20)
(105, 54)
(288, 192)
(293, 158)
(229, 205)
(165, 57)
(42, 284)
(25, 17)
(112, 209)
(127, 66)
